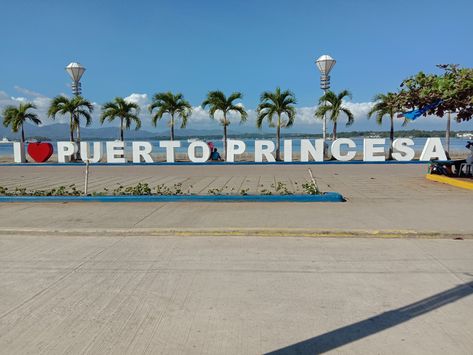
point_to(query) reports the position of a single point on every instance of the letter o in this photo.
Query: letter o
(205, 152)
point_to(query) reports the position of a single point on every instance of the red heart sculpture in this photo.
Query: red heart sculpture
(40, 152)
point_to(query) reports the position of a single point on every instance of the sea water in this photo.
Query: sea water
(456, 145)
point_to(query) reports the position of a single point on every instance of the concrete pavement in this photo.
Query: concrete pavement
(234, 295)
(386, 198)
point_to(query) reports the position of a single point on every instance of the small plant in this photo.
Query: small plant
(71, 190)
(310, 188)
(139, 189)
(178, 189)
(20, 191)
(118, 190)
(281, 188)
(163, 190)
(215, 191)
(244, 192)
(266, 192)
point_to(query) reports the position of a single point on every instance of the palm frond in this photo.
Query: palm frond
(16, 116)
(276, 103)
(322, 111)
(349, 114)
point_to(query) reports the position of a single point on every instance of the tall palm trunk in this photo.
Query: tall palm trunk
(22, 143)
(72, 158)
(391, 138)
(22, 136)
(121, 129)
(172, 127)
(334, 130)
(447, 135)
(278, 139)
(71, 128)
(225, 140)
(78, 141)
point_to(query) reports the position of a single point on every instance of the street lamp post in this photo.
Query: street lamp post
(75, 71)
(325, 64)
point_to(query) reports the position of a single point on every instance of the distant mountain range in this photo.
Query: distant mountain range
(60, 131)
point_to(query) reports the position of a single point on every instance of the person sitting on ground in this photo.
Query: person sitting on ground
(215, 156)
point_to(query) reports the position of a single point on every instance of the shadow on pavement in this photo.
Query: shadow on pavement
(345, 335)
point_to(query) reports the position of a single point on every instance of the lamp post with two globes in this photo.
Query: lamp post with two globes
(325, 64)
(75, 71)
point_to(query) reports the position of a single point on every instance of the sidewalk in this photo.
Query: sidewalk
(387, 198)
(171, 295)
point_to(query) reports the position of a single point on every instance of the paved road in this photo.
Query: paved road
(380, 198)
(234, 295)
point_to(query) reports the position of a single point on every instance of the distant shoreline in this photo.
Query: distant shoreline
(98, 133)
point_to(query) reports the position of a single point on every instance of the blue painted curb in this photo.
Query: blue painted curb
(328, 162)
(326, 197)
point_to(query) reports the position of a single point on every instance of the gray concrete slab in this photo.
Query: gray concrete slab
(234, 295)
(380, 198)
(353, 181)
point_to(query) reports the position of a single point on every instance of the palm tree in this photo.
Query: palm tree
(276, 103)
(167, 102)
(75, 107)
(386, 105)
(16, 117)
(127, 112)
(217, 101)
(333, 103)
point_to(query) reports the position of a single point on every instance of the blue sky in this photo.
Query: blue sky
(141, 47)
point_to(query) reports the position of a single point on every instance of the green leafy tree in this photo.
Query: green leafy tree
(386, 105)
(173, 105)
(333, 104)
(127, 112)
(217, 101)
(452, 91)
(277, 103)
(16, 117)
(76, 108)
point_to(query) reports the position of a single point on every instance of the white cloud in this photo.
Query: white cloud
(199, 114)
(140, 99)
(27, 92)
(359, 109)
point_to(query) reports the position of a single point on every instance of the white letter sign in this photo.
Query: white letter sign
(116, 152)
(205, 152)
(336, 149)
(19, 152)
(85, 154)
(370, 149)
(433, 149)
(316, 152)
(170, 145)
(402, 145)
(142, 150)
(65, 150)
(264, 148)
(234, 147)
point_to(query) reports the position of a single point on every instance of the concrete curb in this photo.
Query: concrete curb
(235, 232)
(450, 181)
(326, 197)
